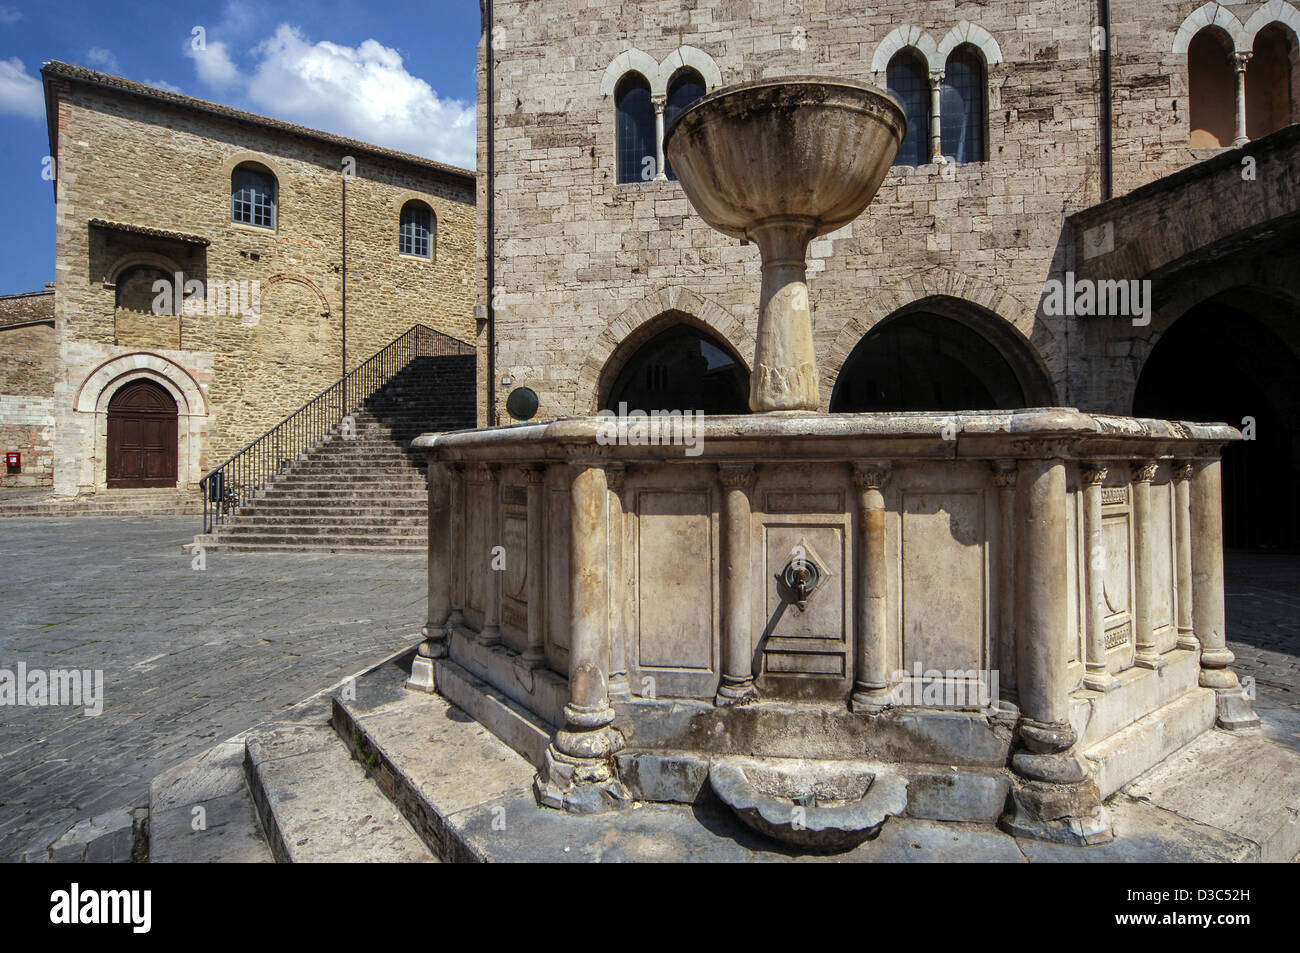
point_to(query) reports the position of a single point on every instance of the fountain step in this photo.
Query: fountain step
(516, 726)
(1149, 740)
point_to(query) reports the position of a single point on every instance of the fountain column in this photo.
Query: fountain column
(1005, 475)
(1054, 798)
(1148, 652)
(871, 683)
(458, 595)
(490, 634)
(737, 686)
(785, 363)
(619, 594)
(578, 772)
(1183, 543)
(1097, 674)
(535, 654)
(439, 581)
(1208, 618)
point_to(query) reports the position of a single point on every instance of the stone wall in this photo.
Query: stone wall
(583, 262)
(166, 165)
(28, 354)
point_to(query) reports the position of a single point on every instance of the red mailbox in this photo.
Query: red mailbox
(13, 462)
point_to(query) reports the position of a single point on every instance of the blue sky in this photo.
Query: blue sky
(399, 74)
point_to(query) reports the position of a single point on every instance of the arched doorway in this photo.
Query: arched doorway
(922, 360)
(142, 437)
(682, 368)
(1225, 361)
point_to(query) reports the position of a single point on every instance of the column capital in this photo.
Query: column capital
(737, 476)
(534, 473)
(936, 77)
(1093, 473)
(1145, 471)
(614, 476)
(658, 101)
(870, 476)
(1005, 473)
(1182, 470)
(1241, 59)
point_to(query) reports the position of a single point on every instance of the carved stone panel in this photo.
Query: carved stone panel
(816, 639)
(944, 552)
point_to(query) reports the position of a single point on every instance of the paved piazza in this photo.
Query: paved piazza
(191, 658)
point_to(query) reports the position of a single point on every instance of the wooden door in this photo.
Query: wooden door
(142, 437)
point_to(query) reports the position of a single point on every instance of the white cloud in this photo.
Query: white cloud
(364, 92)
(214, 65)
(10, 15)
(20, 94)
(101, 58)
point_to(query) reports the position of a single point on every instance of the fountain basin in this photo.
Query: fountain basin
(822, 806)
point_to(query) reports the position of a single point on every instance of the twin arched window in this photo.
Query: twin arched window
(253, 195)
(963, 110)
(1212, 66)
(418, 235)
(638, 142)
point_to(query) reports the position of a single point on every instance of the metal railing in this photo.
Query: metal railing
(247, 473)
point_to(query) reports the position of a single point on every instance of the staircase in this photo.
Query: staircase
(363, 489)
(142, 502)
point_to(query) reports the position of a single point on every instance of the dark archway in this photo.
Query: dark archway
(1221, 361)
(922, 360)
(682, 368)
(142, 437)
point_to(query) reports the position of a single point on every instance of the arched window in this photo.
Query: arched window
(418, 236)
(686, 87)
(682, 368)
(253, 195)
(1211, 90)
(635, 130)
(962, 106)
(1268, 83)
(134, 291)
(906, 79)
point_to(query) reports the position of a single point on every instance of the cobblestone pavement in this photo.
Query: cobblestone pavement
(189, 658)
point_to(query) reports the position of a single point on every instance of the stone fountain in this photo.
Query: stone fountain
(822, 621)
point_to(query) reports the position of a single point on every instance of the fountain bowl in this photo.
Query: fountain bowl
(809, 147)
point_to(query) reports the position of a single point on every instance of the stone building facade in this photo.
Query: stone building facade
(241, 218)
(1038, 126)
(27, 342)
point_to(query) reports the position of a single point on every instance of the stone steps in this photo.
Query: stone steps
(143, 502)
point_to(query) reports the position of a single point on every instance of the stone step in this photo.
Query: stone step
(201, 811)
(388, 547)
(525, 733)
(326, 517)
(442, 769)
(317, 805)
(288, 508)
(410, 496)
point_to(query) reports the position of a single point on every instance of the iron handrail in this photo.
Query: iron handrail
(247, 472)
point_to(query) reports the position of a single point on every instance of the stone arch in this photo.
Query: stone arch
(641, 322)
(99, 387)
(900, 38)
(687, 57)
(976, 36)
(139, 259)
(236, 159)
(959, 296)
(631, 60)
(307, 283)
(1275, 11)
(1211, 14)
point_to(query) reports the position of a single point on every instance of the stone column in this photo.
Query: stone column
(1182, 471)
(490, 634)
(785, 362)
(1148, 652)
(1004, 478)
(578, 772)
(658, 102)
(1054, 798)
(1240, 60)
(618, 684)
(1208, 618)
(1096, 673)
(737, 686)
(936, 130)
(439, 580)
(535, 654)
(871, 681)
(458, 594)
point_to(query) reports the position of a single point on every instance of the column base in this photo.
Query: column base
(1060, 813)
(618, 686)
(530, 661)
(1101, 681)
(579, 785)
(1233, 710)
(1153, 663)
(1187, 640)
(870, 699)
(421, 678)
(489, 636)
(735, 691)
